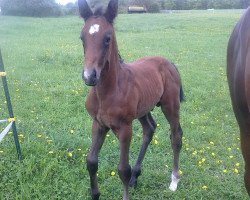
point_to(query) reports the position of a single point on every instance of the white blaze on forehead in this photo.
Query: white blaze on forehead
(94, 29)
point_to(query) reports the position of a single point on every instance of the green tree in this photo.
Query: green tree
(34, 8)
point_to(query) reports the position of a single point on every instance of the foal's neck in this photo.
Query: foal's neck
(109, 75)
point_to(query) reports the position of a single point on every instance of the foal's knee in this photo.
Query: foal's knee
(124, 173)
(92, 165)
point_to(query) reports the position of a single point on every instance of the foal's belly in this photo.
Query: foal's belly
(150, 96)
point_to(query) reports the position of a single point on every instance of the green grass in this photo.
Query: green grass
(44, 58)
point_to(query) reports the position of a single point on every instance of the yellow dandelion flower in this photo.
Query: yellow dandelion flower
(231, 156)
(155, 142)
(180, 172)
(39, 135)
(70, 154)
(225, 171)
(49, 141)
(71, 131)
(79, 149)
(112, 173)
(236, 171)
(1, 151)
(237, 164)
(203, 160)
(212, 143)
(204, 187)
(229, 149)
(51, 152)
(213, 154)
(194, 153)
(158, 125)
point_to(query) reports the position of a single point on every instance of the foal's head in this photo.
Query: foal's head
(97, 37)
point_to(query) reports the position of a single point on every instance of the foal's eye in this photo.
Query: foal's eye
(107, 40)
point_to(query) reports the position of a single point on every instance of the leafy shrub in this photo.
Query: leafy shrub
(154, 8)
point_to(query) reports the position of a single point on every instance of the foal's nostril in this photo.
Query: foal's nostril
(89, 77)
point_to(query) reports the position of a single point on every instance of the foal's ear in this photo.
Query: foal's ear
(111, 11)
(84, 9)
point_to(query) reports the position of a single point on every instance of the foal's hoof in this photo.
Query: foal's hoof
(133, 182)
(95, 195)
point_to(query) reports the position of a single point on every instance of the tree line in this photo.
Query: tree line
(43, 8)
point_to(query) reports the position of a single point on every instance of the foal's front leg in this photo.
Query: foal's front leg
(124, 169)
(98, 136)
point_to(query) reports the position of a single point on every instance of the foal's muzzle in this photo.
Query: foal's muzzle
(90, 78)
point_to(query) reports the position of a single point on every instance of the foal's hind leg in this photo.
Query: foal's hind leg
(148, 125)
(171, 111)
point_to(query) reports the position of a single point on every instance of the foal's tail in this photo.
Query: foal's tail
(182, 95)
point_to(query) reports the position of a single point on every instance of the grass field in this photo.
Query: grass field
(43, 58)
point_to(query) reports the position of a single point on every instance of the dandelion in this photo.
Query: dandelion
(155, 142)
(51, 152)
(231, 157)
(213, 154)
(79, 149)
(39, 135)
(158, 125)
(70, 154)
(204, 187)
(71, 131)
(1, 151)
(225, 171)
(112, 173)
(237, 164)
(236, 171)
(180, 172)
(194, 153)
(212, 143)
(49, 141)
(229, 149)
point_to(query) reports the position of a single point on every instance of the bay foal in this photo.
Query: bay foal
(238, 73)
(124, 92)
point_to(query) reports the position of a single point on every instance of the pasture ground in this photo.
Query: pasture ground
(43, 59)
